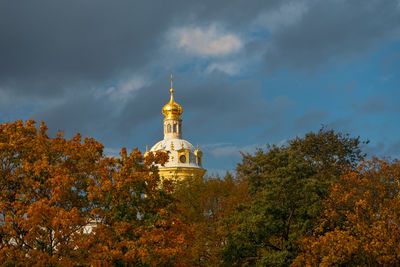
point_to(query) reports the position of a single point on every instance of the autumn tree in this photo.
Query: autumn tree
(136, 218)
(205, 204)
(43, 203)
(287, 185)
(360, 223)
(51, 189)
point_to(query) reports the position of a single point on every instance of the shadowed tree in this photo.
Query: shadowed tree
(287, 185)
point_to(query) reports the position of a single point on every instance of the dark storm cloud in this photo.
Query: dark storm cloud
(212, 105)
(47, 46)
(84, 113)
(58, 51)
(334, 30)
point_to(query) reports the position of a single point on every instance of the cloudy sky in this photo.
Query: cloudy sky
(247, 73)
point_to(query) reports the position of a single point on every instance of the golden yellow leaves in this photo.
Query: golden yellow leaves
(361, 222)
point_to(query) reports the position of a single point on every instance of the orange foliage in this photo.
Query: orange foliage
(137, 220)
(51, 189)
(361, 221)
(206, 205)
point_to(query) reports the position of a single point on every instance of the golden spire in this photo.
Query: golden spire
(171, 85)
(172, 110)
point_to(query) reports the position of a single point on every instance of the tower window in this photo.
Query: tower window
(174, 128)
(169, 128)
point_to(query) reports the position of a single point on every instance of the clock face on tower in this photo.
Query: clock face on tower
(182, 159)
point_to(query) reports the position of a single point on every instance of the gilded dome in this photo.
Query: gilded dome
(184, 160)
(172, 110)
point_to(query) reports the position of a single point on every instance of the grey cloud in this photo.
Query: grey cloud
(311, 119)
(212, 105)
(53, 53)
(383, 149)
(48, 46)
(377, 149)
(275, 120)
(377, 104)
(215, 105)
(333, 30)
(91, 116)
(343, 125)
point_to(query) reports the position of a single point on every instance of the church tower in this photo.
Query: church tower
(184, 159)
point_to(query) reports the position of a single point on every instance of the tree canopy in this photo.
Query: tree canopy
(287, 185)
(360, 223)
(52, 189)
(308, 202)
(205, 204)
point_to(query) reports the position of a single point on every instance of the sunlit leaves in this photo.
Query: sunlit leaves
(360, 224)
(53, 189)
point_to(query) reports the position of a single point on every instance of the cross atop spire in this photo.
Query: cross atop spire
(171, 90)
(172, 110)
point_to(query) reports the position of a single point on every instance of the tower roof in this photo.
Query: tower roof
(184, 160)
(172, 110)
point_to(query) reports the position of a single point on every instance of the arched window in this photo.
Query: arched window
(174, 128)
(169, 128)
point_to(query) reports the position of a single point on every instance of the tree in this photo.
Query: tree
(360, 224)
(205, 204)
(43, 204)
(138, 224)
(51, 189)
(330, 153)
(287, 185)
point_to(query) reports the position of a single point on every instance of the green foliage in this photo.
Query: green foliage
(287, 185)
